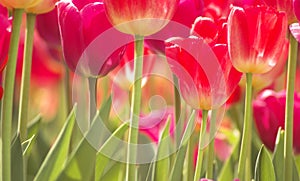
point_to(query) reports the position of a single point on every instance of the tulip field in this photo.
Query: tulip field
(149, 90)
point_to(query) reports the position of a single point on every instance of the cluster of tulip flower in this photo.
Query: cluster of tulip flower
(156, 87)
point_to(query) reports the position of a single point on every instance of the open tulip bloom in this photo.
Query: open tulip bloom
(135, 90)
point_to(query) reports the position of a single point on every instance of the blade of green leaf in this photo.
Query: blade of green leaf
(278, 155)
(27, 145)
(32, 130)
(176, 173)
(264, 169)
(81, 164)
(295, 171)
(297, 162)
(17, 172)
(58, 153)
(227, 171)
(110, 145)
(162, 166)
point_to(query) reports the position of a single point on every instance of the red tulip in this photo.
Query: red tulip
(256, 36)
(123, 74)
(281, 5)
(206, 75)
(269, 115)
(185, 15)
(140, 17)
(79, 27)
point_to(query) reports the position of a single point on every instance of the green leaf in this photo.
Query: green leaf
(32, 130)
(227, 171)
(297, 162)
(17, 172)
(162, 166)
(176, 173)
(116, 173)
(81, 164)
(295, 171)
(264, 169)
(278, 158)
(58, 153)
(111, 144)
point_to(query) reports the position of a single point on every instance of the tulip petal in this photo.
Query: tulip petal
(295, 30)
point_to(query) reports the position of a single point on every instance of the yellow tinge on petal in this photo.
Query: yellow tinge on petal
(19, 4)
(43, 7)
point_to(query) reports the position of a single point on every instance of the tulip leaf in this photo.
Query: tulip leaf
(116, 172)
(162, 165)
(27, 145)
(176, 173)
(227, 171)
(110, 145)
(297, 161)
(81, 164)
(278, 158)
(264, 169)
(32, 130)
(56, 157)
(17, 160)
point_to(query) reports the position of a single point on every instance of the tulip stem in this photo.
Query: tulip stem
(93, 97)
(245, 149)
(211, 147)
(201, 145)
(177, 106)
(131, 173)
(7, 108)
(289, 109)
(26, 71)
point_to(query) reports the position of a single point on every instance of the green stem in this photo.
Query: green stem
(7, 108)
(93, 97)
(25, 83)
(211, 147)
(289, 109)
(135, 109)
(177, 102)
(246, 138)
(201, 145)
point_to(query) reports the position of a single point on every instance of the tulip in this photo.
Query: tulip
(136, 17)
(43, 7)
(269, 116)
(123, 74)
(184, 17)
(256, 36)
(297, 9)
(19, 4)
(282, 5)
(5, 31)
(78, 28)
(152, 124)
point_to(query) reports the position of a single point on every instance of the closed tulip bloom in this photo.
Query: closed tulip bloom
(206, 75)
(269, 115)
(19, 4)
(43, 7)
(78, 28)
(256, 36)
(140, 17)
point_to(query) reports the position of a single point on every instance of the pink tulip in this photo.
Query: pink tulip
(256, 36)
(152, 125)
(5, 30)
(140, 17)
(269, 115)
(79, 25)
(297, 8)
